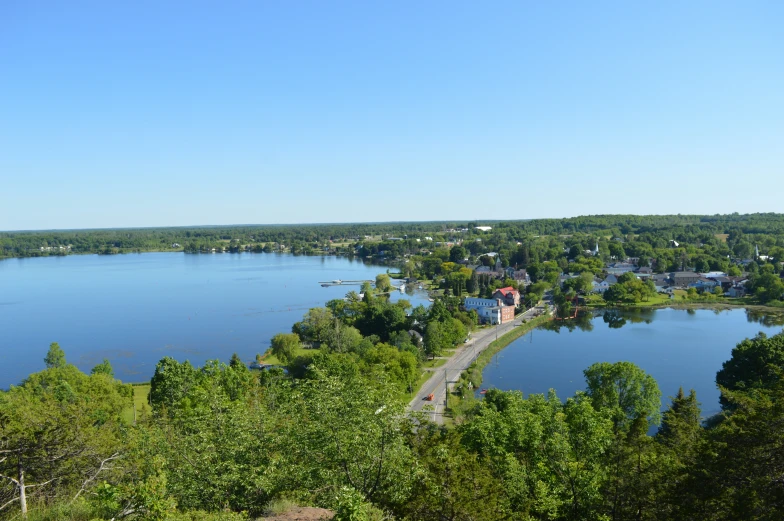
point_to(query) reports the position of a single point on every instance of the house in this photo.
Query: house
(600, 286)
(619, 268)
(509, 296)
(645, 270)
(521, 276)
(483, 228)
(735, 292)
(498, 314)
(477, 303)
(663, 286)
(684, 278)
(725, 282)
(611, 279)
(704, 284)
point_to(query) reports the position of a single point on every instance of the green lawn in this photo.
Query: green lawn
(269, 358)
(141, 393)
(436, 362)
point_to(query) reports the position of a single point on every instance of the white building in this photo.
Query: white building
(478, 303)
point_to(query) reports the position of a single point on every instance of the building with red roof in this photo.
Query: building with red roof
(509, 296)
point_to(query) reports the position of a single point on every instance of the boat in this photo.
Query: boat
(402, 288)
(337, 281)
(325, 285)
(483, 391)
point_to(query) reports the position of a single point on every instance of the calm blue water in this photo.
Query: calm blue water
(678, 347)
(136, 309)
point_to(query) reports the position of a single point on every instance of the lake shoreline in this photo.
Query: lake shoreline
(711, 305)
(474, 373)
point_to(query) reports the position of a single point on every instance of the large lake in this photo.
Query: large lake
(135, 309)
(678, 347)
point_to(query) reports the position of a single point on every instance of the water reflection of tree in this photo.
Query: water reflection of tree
(617, 318)
(583, 322)
(765, 318)
(614, 319)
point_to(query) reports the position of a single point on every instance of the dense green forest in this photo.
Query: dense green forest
(332, 430)
(645, 233)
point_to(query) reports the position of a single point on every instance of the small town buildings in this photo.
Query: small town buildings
(663, 286)
(684, 278)
(521, 276)
(600, 286)
(508, 295)
(704, 284)
(735, 292)
(619, 268)
(477, 303)
(496, 315)
(490, 311)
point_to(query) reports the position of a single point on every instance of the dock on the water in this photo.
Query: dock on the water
(344, 283)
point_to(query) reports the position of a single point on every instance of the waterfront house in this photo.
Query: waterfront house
(498, 314)
(735, 292)
(508, 295)
(704, 284)
(477, 303)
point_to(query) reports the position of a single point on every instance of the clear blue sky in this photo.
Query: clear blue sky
(154, 113)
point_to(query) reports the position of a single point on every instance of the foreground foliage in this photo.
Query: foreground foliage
(223, 442)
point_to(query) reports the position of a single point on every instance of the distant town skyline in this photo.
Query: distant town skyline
(190, 114)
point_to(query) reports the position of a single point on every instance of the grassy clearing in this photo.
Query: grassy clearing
(424, 377)
(432, 364)
(141, 393)
(269, 358)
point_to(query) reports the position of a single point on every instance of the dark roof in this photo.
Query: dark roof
(684, 274)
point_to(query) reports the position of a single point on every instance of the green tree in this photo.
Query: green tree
(60, 431)
(768, 287)
(171, 383)
(104, 367)
(547, 455)
(452, 484)
(625, 390)
(284, 346)
(756, 363)
(739, 473)
(383, 283)
(457, 254)
(55, 357)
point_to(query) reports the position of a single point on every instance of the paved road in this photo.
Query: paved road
(458, 363)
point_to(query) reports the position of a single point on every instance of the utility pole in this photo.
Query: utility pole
(446, 393)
